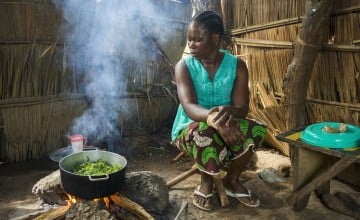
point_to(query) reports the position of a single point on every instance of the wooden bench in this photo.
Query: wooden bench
(314, 167)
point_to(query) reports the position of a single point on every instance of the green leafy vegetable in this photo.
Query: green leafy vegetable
(97, 168)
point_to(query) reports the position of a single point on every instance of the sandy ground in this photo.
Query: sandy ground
(18, 179)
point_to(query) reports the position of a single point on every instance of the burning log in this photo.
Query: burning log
(131, 206)
(84, 209)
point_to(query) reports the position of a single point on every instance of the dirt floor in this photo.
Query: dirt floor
(18, 179)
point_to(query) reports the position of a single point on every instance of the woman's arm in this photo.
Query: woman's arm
(240, 98)
(240, 93)
(222, 117)
(186, 93)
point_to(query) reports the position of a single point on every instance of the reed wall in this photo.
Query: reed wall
(41, 89)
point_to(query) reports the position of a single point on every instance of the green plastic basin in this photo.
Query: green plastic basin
(314, 135)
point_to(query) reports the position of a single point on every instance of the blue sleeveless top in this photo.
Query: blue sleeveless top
(209, 93)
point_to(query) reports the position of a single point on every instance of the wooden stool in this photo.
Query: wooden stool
(224, 200)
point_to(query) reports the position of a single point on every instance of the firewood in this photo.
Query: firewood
(177, 158)
(54, 214)
(131, 206)
(182, 176)
(31, 215)
(184, 206)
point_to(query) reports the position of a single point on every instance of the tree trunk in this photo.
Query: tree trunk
(227, 13)
(203, 5)
(308, 44)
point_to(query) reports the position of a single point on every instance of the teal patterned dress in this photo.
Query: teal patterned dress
(201, 141)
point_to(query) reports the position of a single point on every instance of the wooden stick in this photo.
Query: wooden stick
(182, 176)
(347, 10)
(184, 206)
(224, 200)
(54, 214)
(31, 215)
(264, 43)
(274, 24)
(351, 106)
(131, 206)
(182, 153)
(341, 47)
(28, 101)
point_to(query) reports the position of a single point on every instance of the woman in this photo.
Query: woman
(210, 124)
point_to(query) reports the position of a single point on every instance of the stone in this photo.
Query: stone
(87, 210)
(144, 187)
(148, 190)
(49, 189)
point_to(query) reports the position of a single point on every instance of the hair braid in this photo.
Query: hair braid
(211, 21)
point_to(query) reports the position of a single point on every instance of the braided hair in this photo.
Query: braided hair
(212, 22)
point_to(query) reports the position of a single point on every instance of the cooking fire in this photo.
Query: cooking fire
(113, 207)
(141, 193)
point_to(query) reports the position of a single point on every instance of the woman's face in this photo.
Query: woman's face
(200, 41)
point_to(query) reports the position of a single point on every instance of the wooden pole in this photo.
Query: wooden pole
(296, 80)
(307, 46)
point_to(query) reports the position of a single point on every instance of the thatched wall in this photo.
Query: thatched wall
(264, 32)
(41, 86)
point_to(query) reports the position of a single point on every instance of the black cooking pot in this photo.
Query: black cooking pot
(91, 187)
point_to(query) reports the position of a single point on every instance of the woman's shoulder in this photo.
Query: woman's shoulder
(229, 56)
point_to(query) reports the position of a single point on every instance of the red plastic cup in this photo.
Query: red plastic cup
(78, 142)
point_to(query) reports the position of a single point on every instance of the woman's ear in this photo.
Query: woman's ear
(216, 38)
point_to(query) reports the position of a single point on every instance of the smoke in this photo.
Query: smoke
(103, 36)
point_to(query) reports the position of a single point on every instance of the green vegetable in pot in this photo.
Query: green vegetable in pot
(97, 168)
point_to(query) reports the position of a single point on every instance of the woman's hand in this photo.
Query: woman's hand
(223, 120)
(225, 115)
(230, 134)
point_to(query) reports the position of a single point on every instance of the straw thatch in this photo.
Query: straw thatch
(36, 130)
(40, 90)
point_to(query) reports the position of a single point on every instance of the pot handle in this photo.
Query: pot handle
(99, 178)
(90, 148)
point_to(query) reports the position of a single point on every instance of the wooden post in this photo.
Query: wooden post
(227, 12)
(307, 46)
(296, 80)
